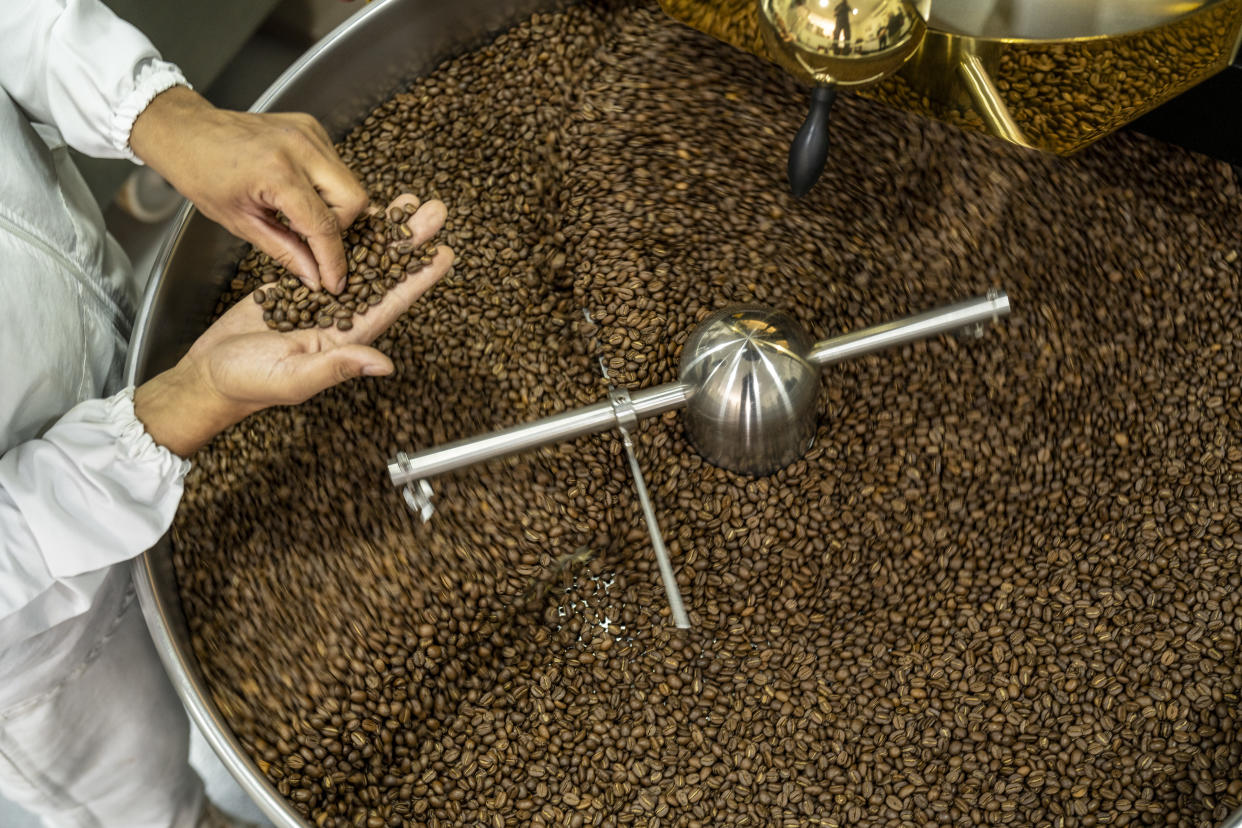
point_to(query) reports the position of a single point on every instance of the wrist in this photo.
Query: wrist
(180, 412)
(156, 127)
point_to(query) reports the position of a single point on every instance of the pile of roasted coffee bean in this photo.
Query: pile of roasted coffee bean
(1088, 86)
(1002, 588)
(382, 254)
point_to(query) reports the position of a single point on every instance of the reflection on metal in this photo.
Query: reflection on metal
(752, 399)
(1060, 73)
(988, 101)
(842, 42)
(417, 493)
(749, 379)
(1234, 820)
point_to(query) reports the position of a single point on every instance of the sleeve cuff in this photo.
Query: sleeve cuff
(152, 77)
(134, 443)
(96, 489)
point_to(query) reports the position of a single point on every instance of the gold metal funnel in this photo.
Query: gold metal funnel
(835, 43)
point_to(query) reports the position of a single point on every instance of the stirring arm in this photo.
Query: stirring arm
(967, 315)
(602, 416)
(555, 429)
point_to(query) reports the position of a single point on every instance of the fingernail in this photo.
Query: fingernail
(374, 371)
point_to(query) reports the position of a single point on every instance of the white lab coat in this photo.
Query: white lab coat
(91, 733)
(83, 490)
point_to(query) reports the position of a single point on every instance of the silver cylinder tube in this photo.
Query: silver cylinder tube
(566, 426)
(960, 315)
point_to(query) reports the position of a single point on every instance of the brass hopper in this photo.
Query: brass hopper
(1054, 75)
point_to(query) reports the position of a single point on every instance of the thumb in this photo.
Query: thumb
(312, 373)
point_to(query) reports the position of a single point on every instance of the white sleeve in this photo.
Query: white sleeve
(75, 65)
(95, 490)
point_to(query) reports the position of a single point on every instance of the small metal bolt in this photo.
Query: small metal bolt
(419, 499)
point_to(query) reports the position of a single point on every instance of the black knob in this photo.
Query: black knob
(809, 151)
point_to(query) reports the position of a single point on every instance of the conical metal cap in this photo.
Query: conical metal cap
(751, 389)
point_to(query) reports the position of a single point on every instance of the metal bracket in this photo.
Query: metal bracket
(623, 408)
(418, 493)
(972, 332)
(626, 414)
(419, 500)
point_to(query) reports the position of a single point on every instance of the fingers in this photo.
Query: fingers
(318, 132)
(310, 373)
(284, 246)
(426, 222)
(404, 200)
(400, 202)
(337, 187)
(424, 225)
(407, 292)
(320, 197)
(310, 218)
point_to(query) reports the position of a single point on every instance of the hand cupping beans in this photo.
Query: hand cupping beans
(382, 255)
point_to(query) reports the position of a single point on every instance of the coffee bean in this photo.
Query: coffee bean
(294, 303)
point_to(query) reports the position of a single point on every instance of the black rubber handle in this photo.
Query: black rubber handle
(809, 151)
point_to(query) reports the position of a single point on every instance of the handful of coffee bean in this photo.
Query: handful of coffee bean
(381, 254)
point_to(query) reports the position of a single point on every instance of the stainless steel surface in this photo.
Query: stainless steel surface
(650, 402)
(627, 418)
(1056, 18)
(752, 389)
(362, 62)
(958, 316)
(568, 425)
(749, 378)
(1234, 820)
(366, 59)
(464, 453)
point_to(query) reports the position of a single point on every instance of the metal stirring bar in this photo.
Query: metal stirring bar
(626, 419)
(649, 402)
(568, 425)
(959, 316)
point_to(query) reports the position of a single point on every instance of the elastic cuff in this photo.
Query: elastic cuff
(152, 77)
(134, 441)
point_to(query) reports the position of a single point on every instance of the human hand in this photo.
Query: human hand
(241, 169)
(239, 366)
